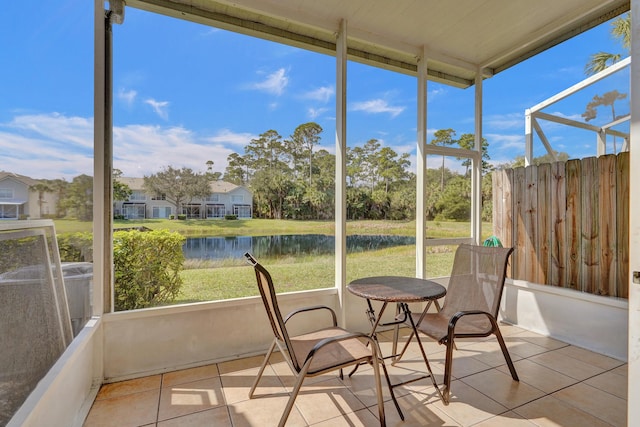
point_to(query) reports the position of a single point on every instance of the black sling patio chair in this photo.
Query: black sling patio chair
(470, 308)
(314, 353)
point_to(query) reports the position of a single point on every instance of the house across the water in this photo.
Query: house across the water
(225, 199)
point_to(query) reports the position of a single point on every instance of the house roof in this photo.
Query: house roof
(216, 186)
(21, 178)
(459, 37)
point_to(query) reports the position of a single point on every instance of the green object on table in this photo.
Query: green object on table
(492, 241)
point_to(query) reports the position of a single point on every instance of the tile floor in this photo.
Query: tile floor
(560, 385)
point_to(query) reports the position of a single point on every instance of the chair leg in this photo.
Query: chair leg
(294, 394)
(376, 374)
(447, 370)
(262, 367)
(505, 351)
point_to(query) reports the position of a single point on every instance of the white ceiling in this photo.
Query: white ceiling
(459, 36)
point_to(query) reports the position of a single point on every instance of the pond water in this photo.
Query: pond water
(219, 248)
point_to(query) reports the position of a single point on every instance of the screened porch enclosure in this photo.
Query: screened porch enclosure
(428, 40)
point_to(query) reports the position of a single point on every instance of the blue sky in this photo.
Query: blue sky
(186, 93)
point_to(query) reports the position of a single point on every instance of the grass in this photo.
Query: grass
(206, 280)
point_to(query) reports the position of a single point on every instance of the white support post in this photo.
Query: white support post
(421, 167)
(528, 138)
(633, 380)
(102, 254)
(341, 169)
(476, 171)
(601, 142)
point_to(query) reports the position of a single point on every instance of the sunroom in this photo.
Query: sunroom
(457, 43)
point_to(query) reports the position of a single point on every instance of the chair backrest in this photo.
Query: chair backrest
(268, 294)
(477, 279)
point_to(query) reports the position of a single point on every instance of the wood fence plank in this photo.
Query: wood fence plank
(622, 224)
(519, 229)
(507, 201)
(497, 178)
(543, 218)
(574, 224)
(606, 285)
(590, 271)
(531, 223)
(558, 243)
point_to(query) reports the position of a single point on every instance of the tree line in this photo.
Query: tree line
(289, 179)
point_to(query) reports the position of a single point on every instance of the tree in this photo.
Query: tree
(443, 137)
(213, 176)
(468, 141)
(121, 191)
(41, 187)
(237, 170)
(607, 100)
(620, 29)
(304, 138)
(78, 198)
(178, 185)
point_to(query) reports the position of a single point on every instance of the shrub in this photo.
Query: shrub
(182, 217)
(231, 217)
(75, 247)
(147, 268)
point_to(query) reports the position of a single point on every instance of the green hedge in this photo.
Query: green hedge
(147, 268)
(147, 264)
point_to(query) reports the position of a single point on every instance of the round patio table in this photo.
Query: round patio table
(402, 291)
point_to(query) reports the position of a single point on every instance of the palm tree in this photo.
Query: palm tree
(620, 29)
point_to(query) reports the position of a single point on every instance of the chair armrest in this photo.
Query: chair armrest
(313, 308)
(460, 314)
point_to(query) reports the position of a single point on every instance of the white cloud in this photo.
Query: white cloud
(56, 146)
(226, 136)
(505, 121)
(127, 96)
(321, 94)
(160, 107)
(314, 113)
(274, 83)
(376, 106)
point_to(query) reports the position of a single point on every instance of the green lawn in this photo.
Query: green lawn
(234, 279)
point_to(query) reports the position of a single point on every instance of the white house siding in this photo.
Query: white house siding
(225, 199)
(17, 200)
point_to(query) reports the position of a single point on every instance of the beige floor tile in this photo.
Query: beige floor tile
(361, 418)
(508, 419)
(325, 400)
(362, 385)
(264, 411)
(508, 329)
(243, 364)
(611, 383)
(135, 409)
(468, 406)
(186, 398)
(218, 417)
(586, 356)
(108, 391)
(568, 366)
(503, 389)
(520, 348)
(551, 412)
(539, 376)
(189, 375)
(539, 340)
(417, 411)
(237, 384)
(465, 364)
(488, 352)
(598, 403)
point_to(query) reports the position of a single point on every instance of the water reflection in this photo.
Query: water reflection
(219, 248)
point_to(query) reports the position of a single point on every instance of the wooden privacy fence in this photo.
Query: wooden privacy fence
(568, 222)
